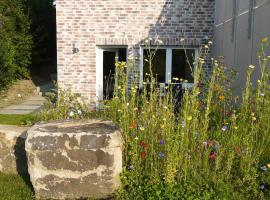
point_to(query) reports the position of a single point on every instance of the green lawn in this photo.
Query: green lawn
(16, 119)
(13, 187)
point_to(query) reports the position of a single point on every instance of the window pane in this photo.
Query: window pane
(158, 64)
(182, 64)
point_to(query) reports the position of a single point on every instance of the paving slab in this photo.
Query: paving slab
(32, 104)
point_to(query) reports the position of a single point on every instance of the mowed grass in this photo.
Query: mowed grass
(13, 187)
(17, 120)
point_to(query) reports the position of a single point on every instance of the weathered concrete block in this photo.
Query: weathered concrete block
(12, 153)
(74, 159)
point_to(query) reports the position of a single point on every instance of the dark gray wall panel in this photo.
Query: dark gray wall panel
(228, 45)
(218, 41)
(243, 51)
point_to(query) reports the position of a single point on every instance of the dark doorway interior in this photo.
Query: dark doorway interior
(110, 56)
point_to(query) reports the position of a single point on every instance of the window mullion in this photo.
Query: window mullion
(168, 64)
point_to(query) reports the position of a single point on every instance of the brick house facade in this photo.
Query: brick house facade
(85, 26)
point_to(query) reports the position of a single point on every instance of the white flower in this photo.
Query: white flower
(79, 112)
(19, 95)
(182, 40)
(264, 168)
(251, 66)
(183, 124)
(71, 114)
(160, 41)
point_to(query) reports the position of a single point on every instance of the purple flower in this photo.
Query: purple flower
(161, 155)
(224, 128)
(162, 142)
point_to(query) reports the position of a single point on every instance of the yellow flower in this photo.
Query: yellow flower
(265, 40)
(142, 128)
(251, 66)
(221, 97)
(189, 118)
(268, 165)
(254, 118)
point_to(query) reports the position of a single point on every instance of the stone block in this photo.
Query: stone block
(12, 152)
(74, 159)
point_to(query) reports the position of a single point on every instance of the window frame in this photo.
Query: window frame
(168, 75)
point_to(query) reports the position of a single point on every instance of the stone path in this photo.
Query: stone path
(30, 105)
(33, 104)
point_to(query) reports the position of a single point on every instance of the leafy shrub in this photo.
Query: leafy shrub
(15, 42)
(62, 104)
(216, 147)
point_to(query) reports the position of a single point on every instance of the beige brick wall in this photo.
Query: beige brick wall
(90, 23)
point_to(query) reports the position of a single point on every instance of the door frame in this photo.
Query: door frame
(99, 67)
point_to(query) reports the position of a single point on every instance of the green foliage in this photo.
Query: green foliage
(15, 42)
(18, 119)
(216, 147)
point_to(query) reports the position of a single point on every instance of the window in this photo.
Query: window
(182, 64)
(158, 62)
(169, 63)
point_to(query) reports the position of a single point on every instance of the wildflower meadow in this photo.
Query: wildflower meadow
(212, 144)
(207, 144)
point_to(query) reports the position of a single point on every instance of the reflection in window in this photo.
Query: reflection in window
(158, 63)
(182, 64)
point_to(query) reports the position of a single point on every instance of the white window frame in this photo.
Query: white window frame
(168, 63)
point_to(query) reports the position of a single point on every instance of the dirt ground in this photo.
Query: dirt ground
(17, 93)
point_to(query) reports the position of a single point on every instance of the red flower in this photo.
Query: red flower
(133, 125)
(143, 145)
(238, 150)
(212, 156)
(229, 114)
(143, 154)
